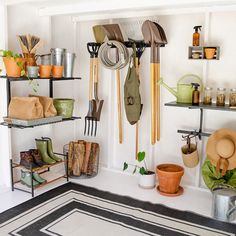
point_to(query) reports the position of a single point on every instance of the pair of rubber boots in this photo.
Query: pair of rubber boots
(44, 147)
(26, 179)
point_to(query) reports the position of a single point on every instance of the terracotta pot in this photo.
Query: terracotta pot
(45, 71)
(30, 59)
(57, 71)
(12, 69)
(169, 176)
(209, 53)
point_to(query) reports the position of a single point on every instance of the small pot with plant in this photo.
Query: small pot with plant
(14, 64)
(147, 178)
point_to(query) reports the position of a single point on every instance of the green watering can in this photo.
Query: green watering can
(184, 88)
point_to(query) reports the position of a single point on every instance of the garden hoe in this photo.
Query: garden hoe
(155, 35)
(113, 32)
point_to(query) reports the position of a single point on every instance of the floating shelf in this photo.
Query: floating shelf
(24, 127)
(200, 50)
(25, 78)
(202, 106)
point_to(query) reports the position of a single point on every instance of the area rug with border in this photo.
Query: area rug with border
(77, 210)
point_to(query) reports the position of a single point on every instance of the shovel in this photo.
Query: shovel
(113, 32)
(155, 35)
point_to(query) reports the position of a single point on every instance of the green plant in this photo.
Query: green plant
(143, 170)
(10, 54)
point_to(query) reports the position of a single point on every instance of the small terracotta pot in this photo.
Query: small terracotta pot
(12, 69)
(169, 176)
(57, 71)
(209, 53)
(45, 71)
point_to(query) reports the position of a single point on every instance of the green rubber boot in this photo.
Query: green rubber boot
(38, 178)
(50, 150)
(26, 179)
(42, 147)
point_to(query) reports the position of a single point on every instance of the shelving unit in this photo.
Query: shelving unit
(201, 107)
(40, 170)
(17, 184)
(201, 52)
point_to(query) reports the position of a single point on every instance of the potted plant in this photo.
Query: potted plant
(15, 66)
(147, 178)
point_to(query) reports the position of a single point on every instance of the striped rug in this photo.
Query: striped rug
(77, 210)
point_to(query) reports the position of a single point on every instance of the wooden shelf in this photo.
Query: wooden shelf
(37, 169)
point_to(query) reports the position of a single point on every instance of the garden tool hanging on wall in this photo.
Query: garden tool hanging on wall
(114, 35)
(154, 34)
(95, 105)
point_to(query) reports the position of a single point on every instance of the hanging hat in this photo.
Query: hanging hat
(221, 150)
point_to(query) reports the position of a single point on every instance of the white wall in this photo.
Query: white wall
(174, 64)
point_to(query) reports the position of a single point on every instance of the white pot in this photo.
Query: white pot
(147, 181)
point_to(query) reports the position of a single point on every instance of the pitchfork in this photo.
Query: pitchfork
(91, 119)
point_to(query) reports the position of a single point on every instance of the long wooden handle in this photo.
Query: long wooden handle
(119, 106)
(158, 97)
(153, 120)
(95, 64)
(137, 134)
(91, 80)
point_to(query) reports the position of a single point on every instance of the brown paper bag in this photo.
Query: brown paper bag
(25, 108)
(48, 108)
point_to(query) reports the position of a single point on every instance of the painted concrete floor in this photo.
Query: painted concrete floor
(195, 200)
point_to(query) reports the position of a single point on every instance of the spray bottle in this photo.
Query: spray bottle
(196, 35)
(196, 94)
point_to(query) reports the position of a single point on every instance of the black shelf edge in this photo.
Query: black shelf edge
(52, 79)
(201, 106)
(24, 127)
(193, 132)
(129, 44)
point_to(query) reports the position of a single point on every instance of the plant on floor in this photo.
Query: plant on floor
(143, 169)
(8, 55)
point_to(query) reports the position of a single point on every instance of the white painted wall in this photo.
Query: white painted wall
(174, 64)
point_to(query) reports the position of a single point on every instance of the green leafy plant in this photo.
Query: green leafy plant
(10, 54)
(142, 169)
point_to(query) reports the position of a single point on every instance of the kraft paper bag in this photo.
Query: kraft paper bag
(25, 108)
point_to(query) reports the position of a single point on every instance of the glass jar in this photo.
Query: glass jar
(207, 100)
(232, 97)
(220, 97)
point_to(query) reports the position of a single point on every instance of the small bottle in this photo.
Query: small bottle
(196, 94)
(196, 35)
(232, 98)
(207, 100)
(220, 97)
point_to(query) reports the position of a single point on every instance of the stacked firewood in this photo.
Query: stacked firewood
(83, 158)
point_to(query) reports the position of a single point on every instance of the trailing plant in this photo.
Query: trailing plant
(142, 169)
(10, 54)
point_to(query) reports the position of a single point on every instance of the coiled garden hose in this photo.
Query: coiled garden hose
(122, 55)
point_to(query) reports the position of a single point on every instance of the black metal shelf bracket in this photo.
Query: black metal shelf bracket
(198, 133)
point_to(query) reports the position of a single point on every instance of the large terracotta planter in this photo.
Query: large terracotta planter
(169, 176)
(12, 69)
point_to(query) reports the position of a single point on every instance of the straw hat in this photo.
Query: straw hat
(221, 150)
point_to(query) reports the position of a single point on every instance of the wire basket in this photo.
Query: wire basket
(83, 159)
